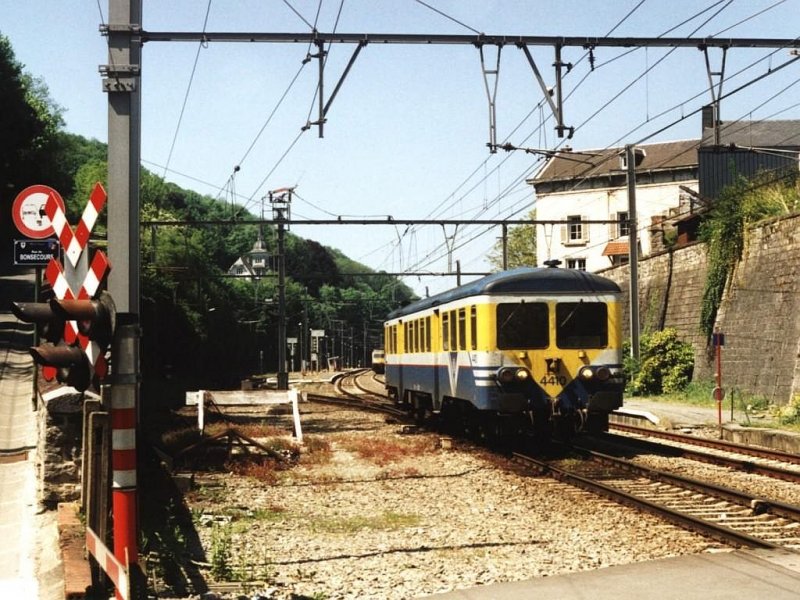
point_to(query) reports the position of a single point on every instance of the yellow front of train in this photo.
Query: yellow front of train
(563, 355)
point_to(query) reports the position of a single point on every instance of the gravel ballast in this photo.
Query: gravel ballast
(432, 519)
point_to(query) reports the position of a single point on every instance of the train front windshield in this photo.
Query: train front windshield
(581, 325)
(522, 325)
(578, 325)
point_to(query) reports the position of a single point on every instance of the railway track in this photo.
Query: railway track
(727, 515)
(724, 514)
(761, 461)
(766, 453)
(363, 398)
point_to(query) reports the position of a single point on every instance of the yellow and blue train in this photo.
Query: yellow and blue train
(527, 350)
(378, 361)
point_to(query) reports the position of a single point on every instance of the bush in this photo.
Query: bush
(790, 414)
(665, 364)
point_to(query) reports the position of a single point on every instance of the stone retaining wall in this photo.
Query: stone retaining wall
(760, 312)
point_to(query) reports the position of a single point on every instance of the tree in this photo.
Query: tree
(29, 122)
(521, 247)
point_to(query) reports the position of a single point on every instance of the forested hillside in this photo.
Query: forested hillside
(201, 327)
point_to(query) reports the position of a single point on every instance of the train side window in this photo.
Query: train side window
(522, 325)
(422, 347)
(428, 334)
(453, 331)
(462, 328)
(581, 325)
(445, 331)
(417, 346)
(473, 325)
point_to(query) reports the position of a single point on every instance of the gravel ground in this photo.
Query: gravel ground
(429, 519)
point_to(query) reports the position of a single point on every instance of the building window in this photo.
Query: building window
(619, 259)
(624, 225)
(576, 263)
(575, 232)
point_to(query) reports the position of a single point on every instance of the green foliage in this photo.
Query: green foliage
(221, 568)
(201, 328)
(665, 364)
(29, 122)
(738, 206)
(520, 247)
(790, 414)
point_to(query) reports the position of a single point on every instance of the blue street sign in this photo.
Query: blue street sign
(35, 253)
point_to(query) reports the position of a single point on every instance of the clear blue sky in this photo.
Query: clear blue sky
(407, 134)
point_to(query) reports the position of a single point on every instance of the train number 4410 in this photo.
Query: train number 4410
(553, 380)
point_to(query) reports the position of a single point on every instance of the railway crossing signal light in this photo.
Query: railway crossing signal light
(71, 364)
(96, 318)
(67, 364)
(78, 362)
(49, 326)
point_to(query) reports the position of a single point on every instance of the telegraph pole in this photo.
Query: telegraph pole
(122, 82)
(505, 247)
(280, 208)
(633, 251)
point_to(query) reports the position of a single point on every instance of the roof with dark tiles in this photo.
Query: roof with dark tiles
(601, 163)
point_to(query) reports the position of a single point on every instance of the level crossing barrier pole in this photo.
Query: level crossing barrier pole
(124, 417)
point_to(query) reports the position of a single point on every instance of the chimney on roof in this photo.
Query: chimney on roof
(638, 157)
(709, 116)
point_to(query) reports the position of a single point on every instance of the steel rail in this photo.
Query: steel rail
(356, 401)
(777, 455)
(747, 466)
(363, 388)
(717, 532)
(763, 505)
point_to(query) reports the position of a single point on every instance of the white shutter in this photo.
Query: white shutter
(584, 229)
(613, 228)
(564, 234)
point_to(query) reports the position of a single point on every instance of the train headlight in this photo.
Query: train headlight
(522, 375)
(586, 373)
(603, 374)
(505, 375)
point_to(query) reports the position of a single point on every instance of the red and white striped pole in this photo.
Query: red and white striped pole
(124, 416)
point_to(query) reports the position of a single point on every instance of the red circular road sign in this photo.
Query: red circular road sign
(28, 211)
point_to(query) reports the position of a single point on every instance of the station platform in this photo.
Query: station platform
(754, 429)
(719, 576)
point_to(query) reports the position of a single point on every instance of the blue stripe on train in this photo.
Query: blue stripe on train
(423, 378)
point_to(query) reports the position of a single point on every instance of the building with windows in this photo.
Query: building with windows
(252, 264)
(588, 191)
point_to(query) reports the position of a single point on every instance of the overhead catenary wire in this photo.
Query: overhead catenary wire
(432, 256)
(487, 207)
(200, 46)
(446, 16)
(441, 209)
(302, 130)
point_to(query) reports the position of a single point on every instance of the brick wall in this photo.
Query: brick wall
(760, 314)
